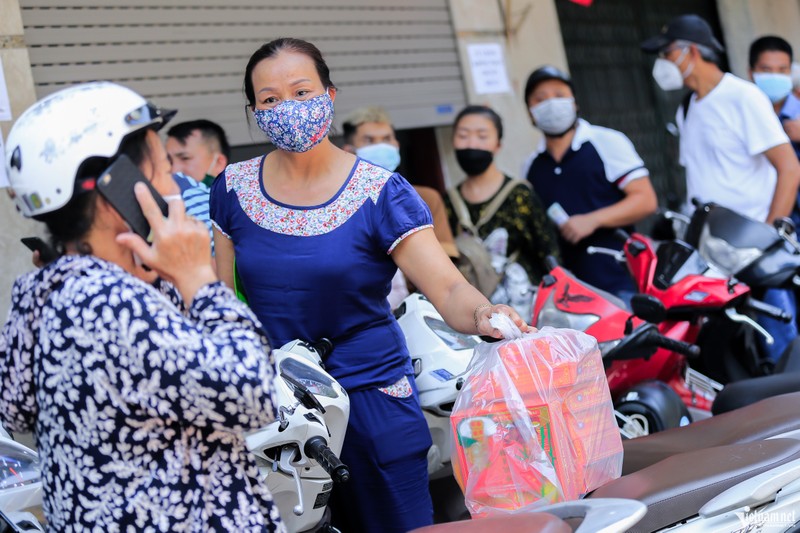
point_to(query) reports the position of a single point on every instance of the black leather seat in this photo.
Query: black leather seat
(770, 417)
(677, 487)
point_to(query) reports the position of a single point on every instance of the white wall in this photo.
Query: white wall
(743, 21)
(14, 258)
(537, 41)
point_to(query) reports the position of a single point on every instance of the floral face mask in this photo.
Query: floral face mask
(297, 125)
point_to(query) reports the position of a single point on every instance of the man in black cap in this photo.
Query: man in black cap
(731, 143)
(590, 178)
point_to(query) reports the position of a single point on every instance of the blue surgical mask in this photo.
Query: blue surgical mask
(775, 85)
(297, 125)
(384, 155)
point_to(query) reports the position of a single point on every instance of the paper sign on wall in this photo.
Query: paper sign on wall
(488, 68)
(5, 103)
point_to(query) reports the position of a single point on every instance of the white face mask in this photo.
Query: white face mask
(775, 85)
(668, 75)
(382, 154)
(555, 116)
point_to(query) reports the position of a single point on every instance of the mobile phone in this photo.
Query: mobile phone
(557, 214)
(35, 244)
(116, 184)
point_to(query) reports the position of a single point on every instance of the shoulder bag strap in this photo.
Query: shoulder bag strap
(498, 200)
(461, 210)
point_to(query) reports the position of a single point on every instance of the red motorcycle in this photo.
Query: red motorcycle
(646, 365)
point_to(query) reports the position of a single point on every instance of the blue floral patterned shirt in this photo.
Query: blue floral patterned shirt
(138, 405)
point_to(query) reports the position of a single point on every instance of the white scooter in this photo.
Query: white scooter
(298, 452)
(440, 356)
(20, 485)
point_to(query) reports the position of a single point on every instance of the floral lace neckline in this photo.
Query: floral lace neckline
(366, 181)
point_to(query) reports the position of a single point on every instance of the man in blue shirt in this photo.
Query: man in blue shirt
(594, 174)
(195, 197)
(771, 70)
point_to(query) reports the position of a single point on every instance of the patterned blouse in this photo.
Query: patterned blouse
(325, 271)
(138, 405)
(530, 232)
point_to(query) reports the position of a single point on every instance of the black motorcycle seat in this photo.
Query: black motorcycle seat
(677, 487)
(770, 417)
(513, 523)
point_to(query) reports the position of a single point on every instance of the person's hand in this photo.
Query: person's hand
(792, 129)
(484, 312)
(181, 248)
(578, 227)
(36, 258)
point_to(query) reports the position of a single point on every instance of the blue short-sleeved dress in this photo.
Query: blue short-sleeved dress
(325, 271)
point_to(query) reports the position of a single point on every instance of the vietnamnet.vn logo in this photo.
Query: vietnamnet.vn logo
(763, 520)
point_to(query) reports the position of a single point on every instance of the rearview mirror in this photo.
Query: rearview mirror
(649, 308)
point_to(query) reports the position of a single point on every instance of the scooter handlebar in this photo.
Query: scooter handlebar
(766, 309)
(317, 449)
(673, 345)
(621, 235)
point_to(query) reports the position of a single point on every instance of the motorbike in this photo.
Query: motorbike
(764, 257)
(20, 485)
(296, 454)
(750, 486)
(760, 255)
(440, 356)
(667, 461)
(696, 294)
(681, 290)
(609, 515)
(651, 383)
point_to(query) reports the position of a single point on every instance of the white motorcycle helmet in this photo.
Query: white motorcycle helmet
(55, 136)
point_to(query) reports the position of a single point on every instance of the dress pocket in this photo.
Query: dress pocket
(399, 389)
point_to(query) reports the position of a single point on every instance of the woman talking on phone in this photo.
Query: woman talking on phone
(137, 382)
(317, 235)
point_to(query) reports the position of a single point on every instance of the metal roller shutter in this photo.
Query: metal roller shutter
(191, 55)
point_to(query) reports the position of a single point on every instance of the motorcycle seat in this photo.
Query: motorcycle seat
(675, 488)
(515, 523)
(770, 417)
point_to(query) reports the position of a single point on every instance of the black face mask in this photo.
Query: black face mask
(474, 162)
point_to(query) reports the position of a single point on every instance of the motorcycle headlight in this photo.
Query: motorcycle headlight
(550, 315)
(315, 381)
(452, 338)
(18, 466)
(724, 255)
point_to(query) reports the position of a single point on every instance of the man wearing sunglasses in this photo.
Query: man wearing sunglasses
(731, 142)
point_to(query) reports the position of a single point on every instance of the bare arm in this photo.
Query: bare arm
(425, 264)
(640, 200)
(785, 162)
(224, 253)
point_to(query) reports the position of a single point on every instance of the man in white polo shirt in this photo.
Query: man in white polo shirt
(731, 143)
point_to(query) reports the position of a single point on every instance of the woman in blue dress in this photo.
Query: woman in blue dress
(317, 235)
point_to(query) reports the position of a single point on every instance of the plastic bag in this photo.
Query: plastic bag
(534, 421)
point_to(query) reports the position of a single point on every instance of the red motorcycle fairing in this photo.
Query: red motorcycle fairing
(564, 294)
